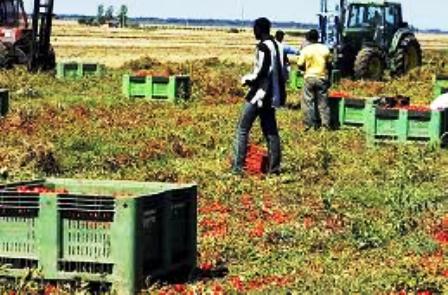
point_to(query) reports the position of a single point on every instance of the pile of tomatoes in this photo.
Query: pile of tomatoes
(414, 108)
(41, 190)
(339, 94)
(152, 73)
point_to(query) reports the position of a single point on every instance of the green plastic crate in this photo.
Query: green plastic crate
(296, 80)
(114, 232)
(169, 89)
(403, 126)
(440, 85)
(4, 102)
(350, 111)
(73, 70)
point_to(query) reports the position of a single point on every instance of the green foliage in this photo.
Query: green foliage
(100, 15)
(123, 16)
(109, 14)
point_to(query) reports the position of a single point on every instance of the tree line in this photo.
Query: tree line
(107, 16)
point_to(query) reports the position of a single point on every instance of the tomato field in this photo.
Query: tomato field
(342, 218)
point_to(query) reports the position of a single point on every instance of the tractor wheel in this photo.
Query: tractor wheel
(20, 56)
(369, 64)
(407, 56)
(45, 63)
(49, 63)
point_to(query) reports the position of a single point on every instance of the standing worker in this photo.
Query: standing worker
(287, 49)
(267, 92)
(315, 61)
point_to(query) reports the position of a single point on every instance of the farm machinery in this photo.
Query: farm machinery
(25, 40)
(367, 37)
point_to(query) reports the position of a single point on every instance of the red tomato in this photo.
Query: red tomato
(442, 237)
(206, 266)
(50, 290)
(258, 230)
(180, 288)
(237, 283)
(61, 191)
(445, 223)
(218, 289)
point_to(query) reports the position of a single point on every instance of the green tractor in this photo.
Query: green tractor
(369, 36)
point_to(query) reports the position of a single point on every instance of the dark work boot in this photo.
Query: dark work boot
(274, 150)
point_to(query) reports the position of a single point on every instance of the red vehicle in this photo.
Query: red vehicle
(24, 40)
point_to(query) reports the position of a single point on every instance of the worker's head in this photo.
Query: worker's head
(279, 36)
(312, 36)
(262, 28)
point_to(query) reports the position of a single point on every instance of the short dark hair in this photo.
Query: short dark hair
(312, 35)
(263, 24)
(279, 35)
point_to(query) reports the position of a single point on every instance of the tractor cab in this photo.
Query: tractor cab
(372, 22)
(13, 21)
(368, 37)
(12, 14)
(26, 43)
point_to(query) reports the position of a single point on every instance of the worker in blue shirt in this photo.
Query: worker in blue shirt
(287, 49)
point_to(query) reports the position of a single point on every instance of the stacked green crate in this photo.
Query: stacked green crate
(351, 111)
(67, 70)
(401, 125)
(440, 85)
(4, 102)
(107, 231)
(72, 70)
(88, 69)
(169, 89)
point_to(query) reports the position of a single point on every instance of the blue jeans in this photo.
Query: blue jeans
(270, 131)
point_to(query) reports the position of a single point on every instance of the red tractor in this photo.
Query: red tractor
(23, 40)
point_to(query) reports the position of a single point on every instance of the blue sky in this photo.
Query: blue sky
(422, 13)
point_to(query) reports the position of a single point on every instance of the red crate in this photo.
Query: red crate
(256, 160)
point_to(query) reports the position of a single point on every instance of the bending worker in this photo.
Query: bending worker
(315, 61)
